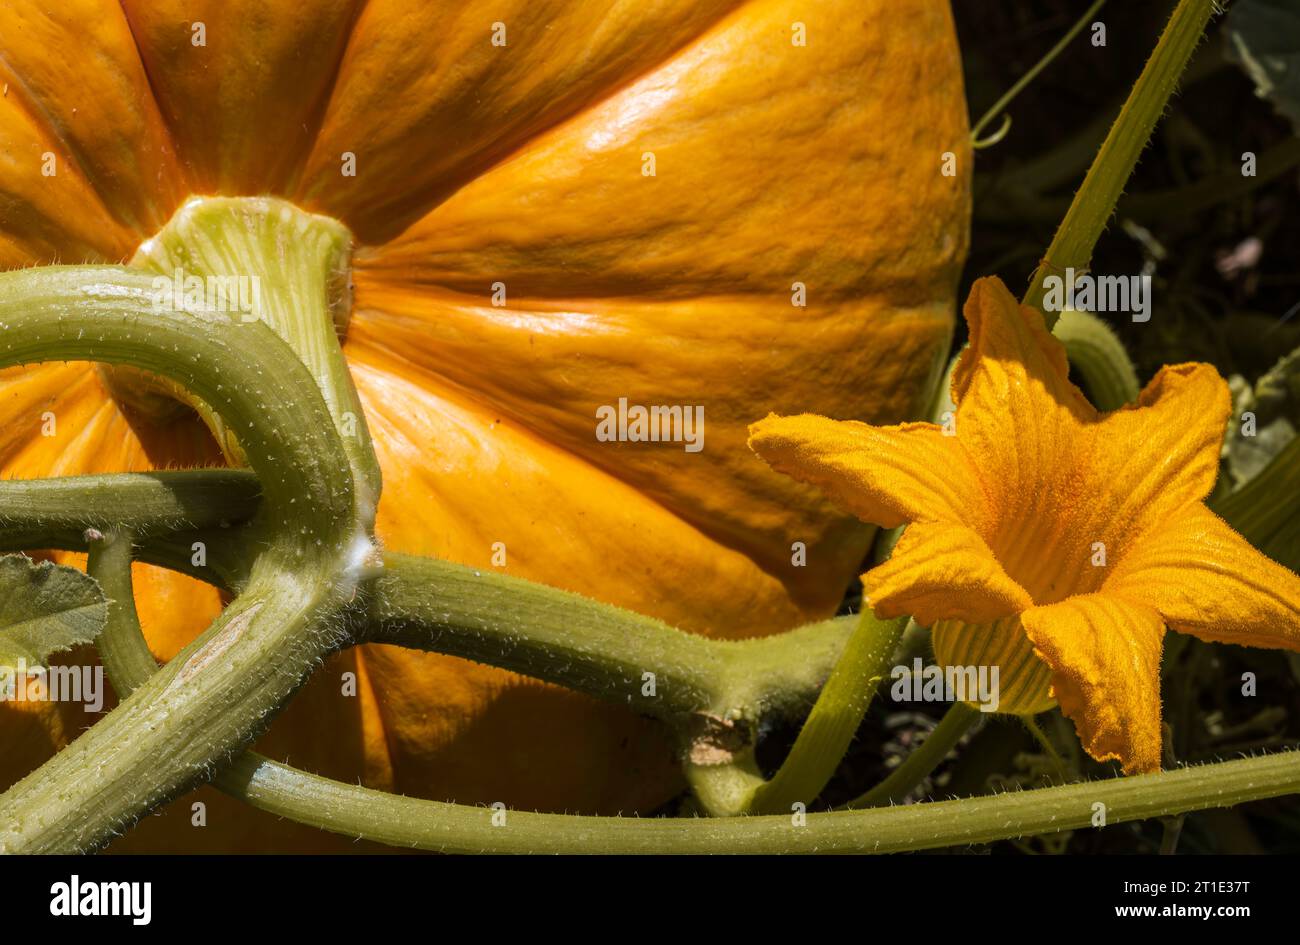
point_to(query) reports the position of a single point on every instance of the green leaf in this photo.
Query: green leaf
(1264, 39)
(1277, 393)
(1248, 450)
(45, 609)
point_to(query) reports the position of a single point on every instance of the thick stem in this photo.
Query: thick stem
(605, 651)
(217, 695)
(427, 604)
(168, 512)
(432, 825)
(126, 656)
(150, 503)
(712, 693)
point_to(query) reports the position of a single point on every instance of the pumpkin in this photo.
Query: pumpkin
(557, 205)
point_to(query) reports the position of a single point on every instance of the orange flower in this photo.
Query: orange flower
(1049, 526)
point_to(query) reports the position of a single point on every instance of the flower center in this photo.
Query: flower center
(1054, 545)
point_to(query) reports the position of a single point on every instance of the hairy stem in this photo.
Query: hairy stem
(410, 822)
(605, 651)
(150, 502)
(432, 825)
(218, 694)
(167, 512)
(1093, 204)
(121, 644)
(835, 717)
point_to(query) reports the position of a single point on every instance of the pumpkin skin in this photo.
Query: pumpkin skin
(521, 164)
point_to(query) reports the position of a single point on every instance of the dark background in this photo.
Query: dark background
(1023, 184)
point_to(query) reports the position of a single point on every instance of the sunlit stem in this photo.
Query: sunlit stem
(835, 717)
(1095, 200)
(311, 533)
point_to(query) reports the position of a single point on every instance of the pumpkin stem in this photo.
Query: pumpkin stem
(256, 259)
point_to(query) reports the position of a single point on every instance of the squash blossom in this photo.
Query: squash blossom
(1047, 539)
(542, 210)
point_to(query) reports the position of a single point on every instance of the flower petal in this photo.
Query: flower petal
(1162, 453)
(1104, 652)
(1023, 681)
(943, 571)
(1012, 363)
(884, 475)
(1022, 423)
(1206, 580)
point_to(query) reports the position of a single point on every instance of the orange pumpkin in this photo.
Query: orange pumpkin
(735, 204)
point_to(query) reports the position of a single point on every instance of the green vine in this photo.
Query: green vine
(360, 812)
(835, 718)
